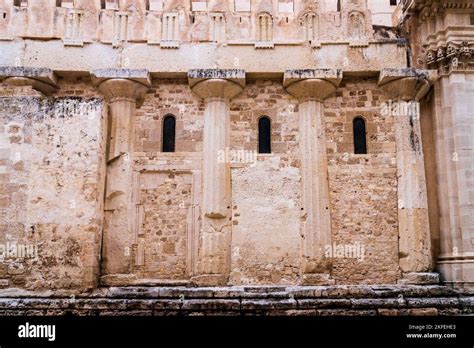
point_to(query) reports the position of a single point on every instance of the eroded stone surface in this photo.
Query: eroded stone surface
(87, 189)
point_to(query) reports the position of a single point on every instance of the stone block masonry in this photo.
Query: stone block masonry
(244, 301)
(356, 168)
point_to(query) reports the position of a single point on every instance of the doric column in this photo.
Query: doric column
(122, 88)
(311, 87)
(406, 87)
(41, 79)
(217, 88)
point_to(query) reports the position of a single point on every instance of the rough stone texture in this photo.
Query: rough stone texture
(83, 177)
(243, 301)
(450, 52)
(53, 179)
(366, 210)
(257, 255)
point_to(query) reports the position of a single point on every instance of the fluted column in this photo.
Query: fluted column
(122, 88)
(409, 86)
(217, 88)
(311, 87)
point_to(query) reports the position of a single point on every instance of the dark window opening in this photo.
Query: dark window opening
(360, 138)
(393, 2)
(264, 135)
(169, 133)
(338, 5)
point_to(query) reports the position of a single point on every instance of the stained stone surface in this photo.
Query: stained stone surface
(91, 206)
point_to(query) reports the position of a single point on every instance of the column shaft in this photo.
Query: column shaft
(406, 87)
(215, 236)
(118, 236)
(217, 88)
(315, 189)
(311, 87)
(216, 175)
(413, 218)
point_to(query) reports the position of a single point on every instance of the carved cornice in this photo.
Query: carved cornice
(432, 8)
(451, 57)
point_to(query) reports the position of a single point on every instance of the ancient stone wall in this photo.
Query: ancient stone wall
(363, 187)
(266, 189)
(52, 187)
(85, 177)
(267, 215)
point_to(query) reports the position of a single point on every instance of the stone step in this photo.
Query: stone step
(291, 300)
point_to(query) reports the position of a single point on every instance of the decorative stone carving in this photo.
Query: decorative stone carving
(74, 28)
(310, 23)
(453, 56)
(264, 37)
(356, 25)
(217, 30)
(170, 31)
(121, 23)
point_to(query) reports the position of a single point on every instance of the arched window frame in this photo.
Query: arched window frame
(359, 136)
(310, 22)
(168, 136)
(264, 144)
(264, 27)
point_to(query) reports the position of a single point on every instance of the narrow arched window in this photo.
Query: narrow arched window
(169, 133)
(338, 5)
(264, 135)
(360, 139)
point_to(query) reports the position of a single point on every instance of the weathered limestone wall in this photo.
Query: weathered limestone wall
(52, 180)
(188, 216)
(266, 241)
(174, 97)
(363, 188)
(167, 186)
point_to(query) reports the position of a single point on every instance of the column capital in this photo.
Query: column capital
(41, 79)
(406, 84)
(216, 83)
(317, 84)
(122, 83)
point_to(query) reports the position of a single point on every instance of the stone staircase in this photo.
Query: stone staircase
(338, 300)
